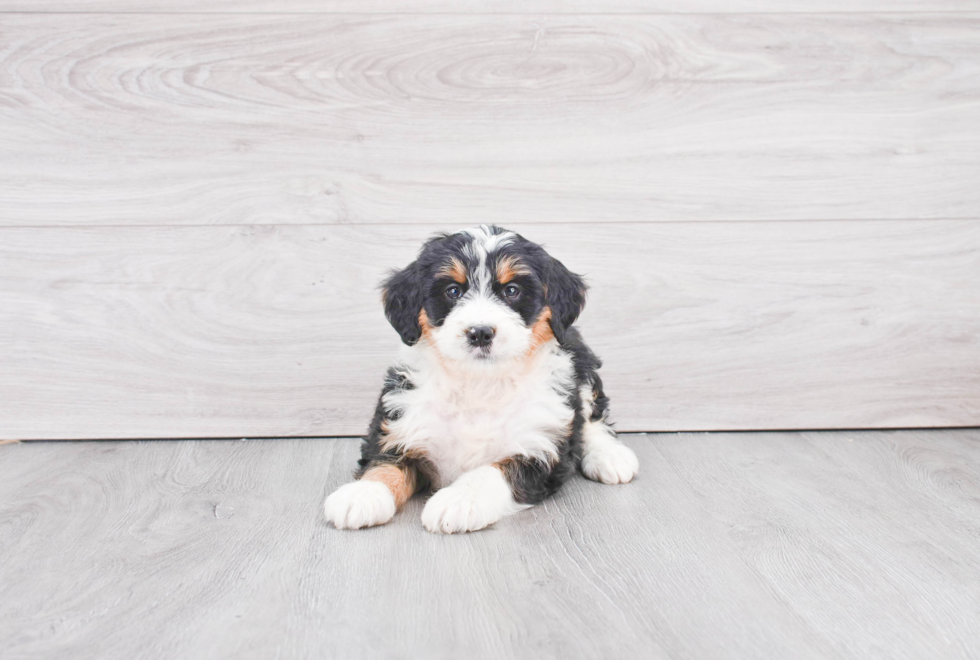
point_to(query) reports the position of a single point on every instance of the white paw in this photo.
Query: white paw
(479, 498)
(360, 504)
(610, 462)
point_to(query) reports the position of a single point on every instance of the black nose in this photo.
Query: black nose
(480, 335)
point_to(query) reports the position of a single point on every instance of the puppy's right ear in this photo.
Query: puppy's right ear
(402, 296)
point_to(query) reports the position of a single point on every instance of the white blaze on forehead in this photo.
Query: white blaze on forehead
(484, 243)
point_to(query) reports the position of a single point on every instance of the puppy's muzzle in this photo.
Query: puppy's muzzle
(480, 335)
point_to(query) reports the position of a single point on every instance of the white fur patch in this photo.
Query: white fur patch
(604, 458)
(462, 415)
(478, 498)
(360, 504)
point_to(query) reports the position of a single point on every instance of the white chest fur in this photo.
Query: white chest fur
(463, 418)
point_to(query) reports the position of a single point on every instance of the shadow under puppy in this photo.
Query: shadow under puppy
(494, 399)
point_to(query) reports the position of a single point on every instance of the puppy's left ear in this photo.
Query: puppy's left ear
(402, 296)
(565, 296)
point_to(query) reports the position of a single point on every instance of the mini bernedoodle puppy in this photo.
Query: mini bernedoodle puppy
(495, 398)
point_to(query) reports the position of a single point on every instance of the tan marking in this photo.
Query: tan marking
(424, 324)
(510, 267)
(454, 269)
(401, 481)
(541, 330)
(503, 465)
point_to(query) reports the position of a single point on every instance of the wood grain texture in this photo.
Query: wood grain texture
(487, 6)
(278, 331)
(817, 545)
(246, 119)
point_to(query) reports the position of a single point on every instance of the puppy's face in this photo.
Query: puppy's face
(483, 296)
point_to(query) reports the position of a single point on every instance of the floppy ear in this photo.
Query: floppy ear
(565, 296)
(402, 296)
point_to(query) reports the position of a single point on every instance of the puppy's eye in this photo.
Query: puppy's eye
(454, 291)
(512, 291)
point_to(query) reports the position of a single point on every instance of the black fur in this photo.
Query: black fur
(403, 301)
(587, 366)
(565, 296)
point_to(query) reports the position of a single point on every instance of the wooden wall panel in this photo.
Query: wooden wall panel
(123, 119)
(486, 6)
(270, 331)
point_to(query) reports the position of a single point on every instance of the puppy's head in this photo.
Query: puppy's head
(483, 296)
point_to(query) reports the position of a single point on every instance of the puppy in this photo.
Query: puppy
(495, 398)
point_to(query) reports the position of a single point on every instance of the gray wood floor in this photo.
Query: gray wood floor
(747, 545)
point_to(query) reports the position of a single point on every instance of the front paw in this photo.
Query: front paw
(611, 463)
(452, 510)
(479, 498)
(360, 504)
